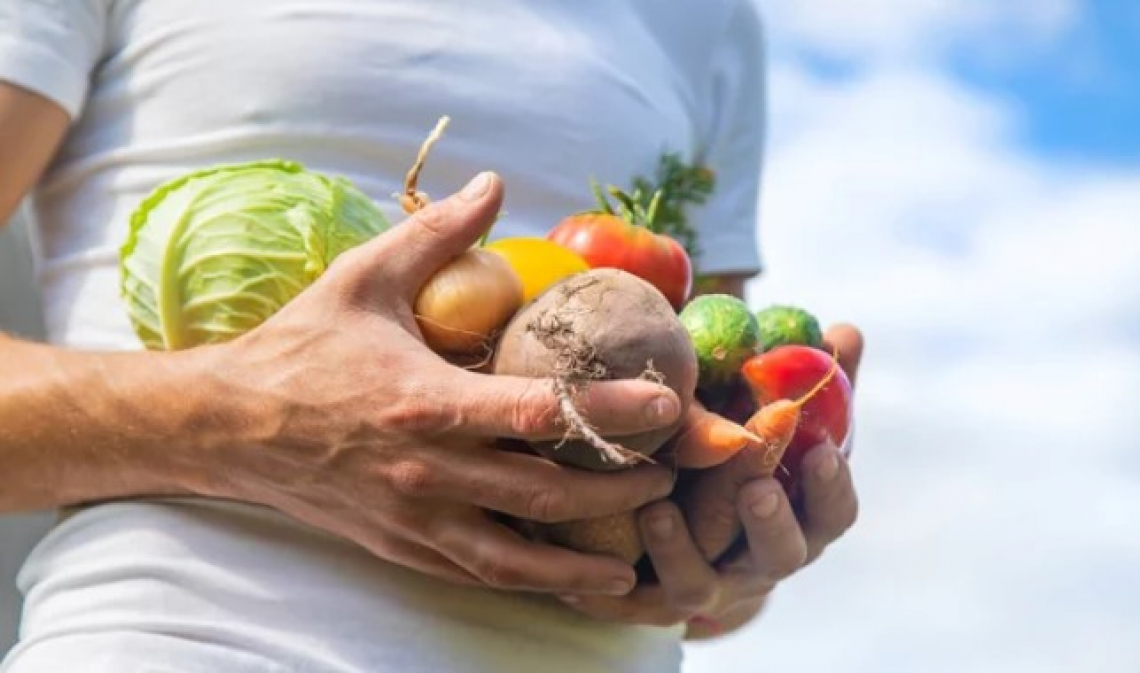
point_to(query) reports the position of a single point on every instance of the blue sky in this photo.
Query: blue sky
(1080, 96)
(962, 180)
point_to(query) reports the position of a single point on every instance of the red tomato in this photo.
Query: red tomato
(788, 372)
(626, 239)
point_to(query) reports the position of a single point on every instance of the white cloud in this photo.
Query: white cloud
(1000, 292)
(891, 28)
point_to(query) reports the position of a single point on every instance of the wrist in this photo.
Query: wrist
(215, 421)
(171, 421)
(164, 417)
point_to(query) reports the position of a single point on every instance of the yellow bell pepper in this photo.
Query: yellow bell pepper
(538, 262)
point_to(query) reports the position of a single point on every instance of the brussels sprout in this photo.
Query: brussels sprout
(212, 254)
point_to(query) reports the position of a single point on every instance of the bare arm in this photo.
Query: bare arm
(31, 128)
(78, 427)
(69, 430)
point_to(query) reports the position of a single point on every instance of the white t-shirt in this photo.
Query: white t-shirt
(546, 92)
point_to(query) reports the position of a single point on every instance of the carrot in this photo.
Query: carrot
(710, 502)
(710, 439)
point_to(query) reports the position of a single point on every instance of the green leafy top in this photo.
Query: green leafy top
(675, 187)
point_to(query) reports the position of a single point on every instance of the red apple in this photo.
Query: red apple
(788, 372)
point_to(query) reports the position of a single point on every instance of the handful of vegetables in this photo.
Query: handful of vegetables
(604, 295)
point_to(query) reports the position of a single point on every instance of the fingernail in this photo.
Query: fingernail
(662, 410)
(828, 468)
(765, 506)
(477, 187)
(620, 587)
(662, 527)
(663, 487)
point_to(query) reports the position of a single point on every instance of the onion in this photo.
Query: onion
(467, 302)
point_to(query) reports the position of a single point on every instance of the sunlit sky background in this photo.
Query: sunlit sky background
(962, 179)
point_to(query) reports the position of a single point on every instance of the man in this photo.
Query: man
(315, 496)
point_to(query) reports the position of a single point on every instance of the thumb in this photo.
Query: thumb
(401, 260)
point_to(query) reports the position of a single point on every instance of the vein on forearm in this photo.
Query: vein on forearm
(78, 426)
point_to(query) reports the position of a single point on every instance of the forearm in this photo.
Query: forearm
(78, 427)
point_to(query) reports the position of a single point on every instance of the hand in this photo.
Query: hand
(713, 597)
(352, 425)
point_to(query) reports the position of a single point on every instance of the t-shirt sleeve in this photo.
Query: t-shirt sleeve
(51, 47)
(732, 147)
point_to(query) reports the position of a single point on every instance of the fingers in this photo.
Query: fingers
(522, 408)
(848, 340)
(502, 559)
(380, 542)
(776, 544)
(400, 261)
(830, 504)
(687, 585)
(690, 584)
(536, 489)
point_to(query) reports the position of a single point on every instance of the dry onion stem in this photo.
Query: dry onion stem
(412, 200)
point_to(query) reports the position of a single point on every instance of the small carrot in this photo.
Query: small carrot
(710, 439)
(710, 503)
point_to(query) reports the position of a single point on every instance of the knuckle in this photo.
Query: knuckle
(346, 277)
(413, 478)
(721, 515)
(416, 413)
(496, 574)
(530, 417)
(431, 220)
(342, 263)
(548, 503)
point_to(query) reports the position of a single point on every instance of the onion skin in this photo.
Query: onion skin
(466, 302)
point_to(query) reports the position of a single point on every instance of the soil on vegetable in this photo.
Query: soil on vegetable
(598, 325)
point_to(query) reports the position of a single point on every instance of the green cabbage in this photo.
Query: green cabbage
(213, 254)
